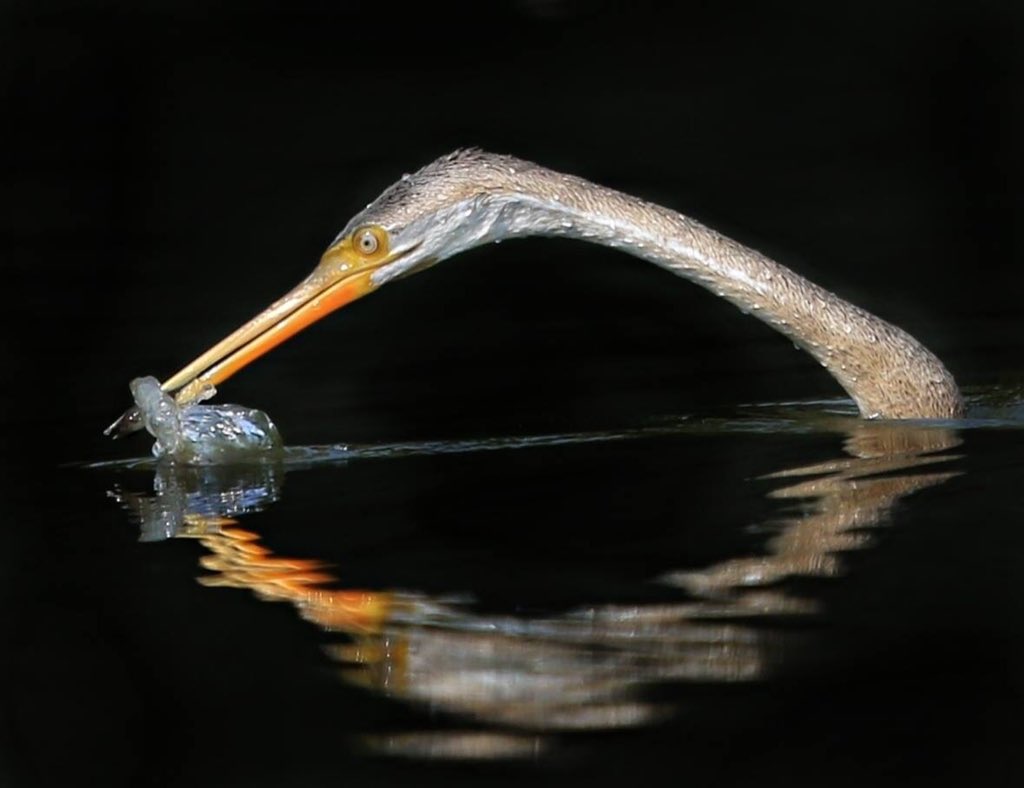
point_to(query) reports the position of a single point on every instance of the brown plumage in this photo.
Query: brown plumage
(486, 197)
(470, 197)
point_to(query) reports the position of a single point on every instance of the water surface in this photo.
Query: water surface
(789, 593)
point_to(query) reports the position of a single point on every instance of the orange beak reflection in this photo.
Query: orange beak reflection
(341, 277)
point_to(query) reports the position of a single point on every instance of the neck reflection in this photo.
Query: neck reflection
(515, 681)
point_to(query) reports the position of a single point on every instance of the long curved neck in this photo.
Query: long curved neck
(887, 372)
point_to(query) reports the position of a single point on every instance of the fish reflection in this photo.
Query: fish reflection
(516, 681)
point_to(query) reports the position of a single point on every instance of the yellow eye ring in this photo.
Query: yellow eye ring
(370, 241)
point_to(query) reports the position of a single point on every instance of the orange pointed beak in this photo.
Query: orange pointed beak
(341, 277)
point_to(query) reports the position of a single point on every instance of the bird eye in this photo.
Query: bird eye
(367, 242)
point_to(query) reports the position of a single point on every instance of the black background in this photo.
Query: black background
(170, 168)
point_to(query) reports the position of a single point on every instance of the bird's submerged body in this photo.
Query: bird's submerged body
(471, 197)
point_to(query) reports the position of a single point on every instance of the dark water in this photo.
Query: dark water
(777, 596)
(548, 525)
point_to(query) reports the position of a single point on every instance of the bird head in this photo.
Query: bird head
(457, 202)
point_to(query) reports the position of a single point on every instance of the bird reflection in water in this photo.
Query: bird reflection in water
(518, 681)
